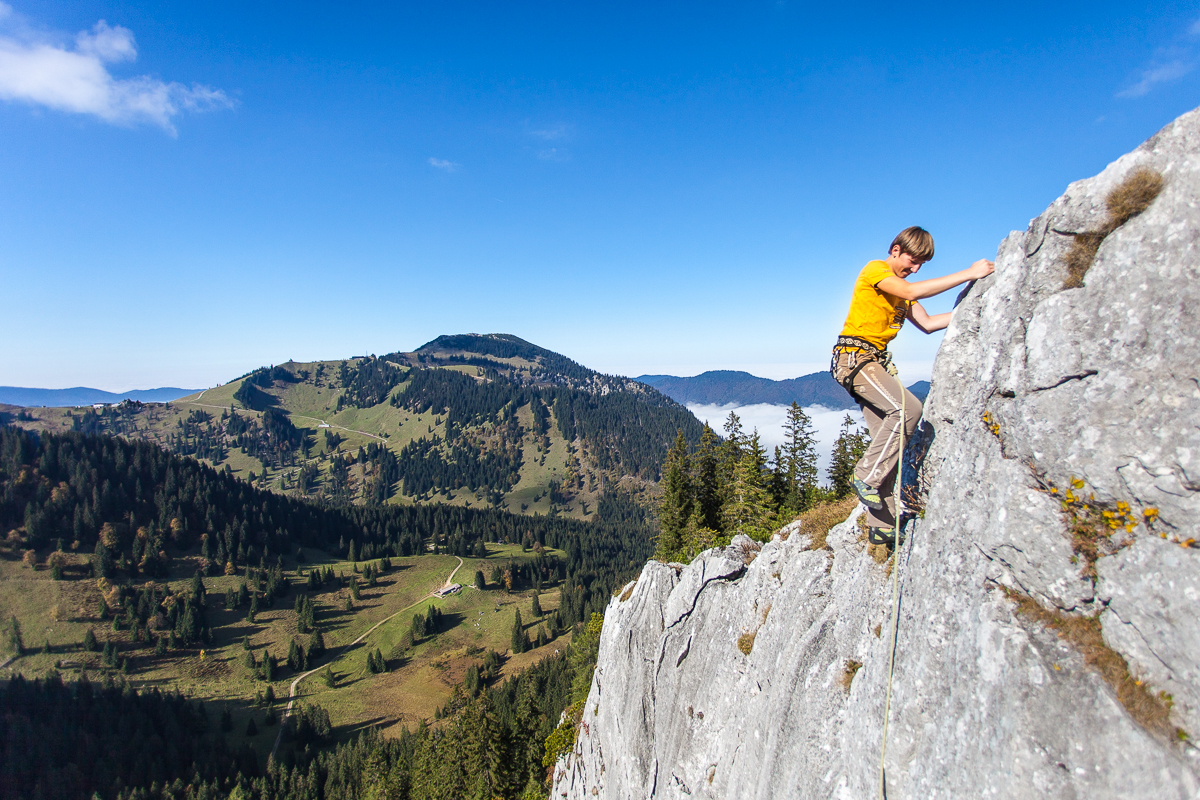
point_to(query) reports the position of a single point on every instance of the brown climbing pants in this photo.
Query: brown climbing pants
(878, 393)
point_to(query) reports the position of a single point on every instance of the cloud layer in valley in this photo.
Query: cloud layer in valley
(75, 77)
(769, 419)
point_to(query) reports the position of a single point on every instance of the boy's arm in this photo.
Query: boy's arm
(922, 289)
(926, 322)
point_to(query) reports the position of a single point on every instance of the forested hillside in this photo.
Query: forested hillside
(171, 569)
(473, 421)
(79, 740)
(133, 505)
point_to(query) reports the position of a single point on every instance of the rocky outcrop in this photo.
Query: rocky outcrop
(763, 673)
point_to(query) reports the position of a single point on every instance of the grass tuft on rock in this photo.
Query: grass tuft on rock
(1083, 633)
(1133, 196)
(848, 672)
(817, 521)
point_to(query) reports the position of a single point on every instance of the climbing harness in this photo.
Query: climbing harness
(899, 544)
(851, 354)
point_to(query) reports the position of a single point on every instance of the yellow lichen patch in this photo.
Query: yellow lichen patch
(991, 424)
(1098, 529)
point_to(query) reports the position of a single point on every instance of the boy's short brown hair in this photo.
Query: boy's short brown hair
(915, 241)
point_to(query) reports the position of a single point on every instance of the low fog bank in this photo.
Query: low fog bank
(769, 419)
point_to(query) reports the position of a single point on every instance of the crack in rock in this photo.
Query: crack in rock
(728, 577)
(1067, 379)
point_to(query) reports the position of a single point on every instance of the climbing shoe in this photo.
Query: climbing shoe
(869, 497)
(884, 536)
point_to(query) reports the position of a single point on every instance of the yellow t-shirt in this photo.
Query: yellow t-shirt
(875, 315)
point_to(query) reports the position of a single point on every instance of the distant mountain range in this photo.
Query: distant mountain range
(729, 387)
(84, 396)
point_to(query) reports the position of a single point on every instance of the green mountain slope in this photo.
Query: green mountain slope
(472, 420)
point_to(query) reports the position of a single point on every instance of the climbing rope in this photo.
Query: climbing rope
(898, 544)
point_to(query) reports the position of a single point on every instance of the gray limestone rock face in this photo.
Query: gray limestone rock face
(736, 677)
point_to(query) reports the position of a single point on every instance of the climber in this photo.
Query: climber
(883, 298)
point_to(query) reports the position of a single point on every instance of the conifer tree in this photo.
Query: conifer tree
(707, 507)
(799, 459)
(777, 485)
(198, 589)
(520, 640)
(730, 451)
(480, 583)
(675, 506)
(267, 666)
(748, 508)
(536, 610)
(851, 443)
(89, 641)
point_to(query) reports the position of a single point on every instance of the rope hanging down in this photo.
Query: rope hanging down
(898, 543)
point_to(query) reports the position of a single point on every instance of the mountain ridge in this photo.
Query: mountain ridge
(86, 396)
(735, 387)
(469, 419)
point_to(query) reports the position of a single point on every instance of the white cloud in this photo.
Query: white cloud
(441, 163)
(769, 419)
(1166, 73)
(553, 132)
(107, 44)
(77, 80)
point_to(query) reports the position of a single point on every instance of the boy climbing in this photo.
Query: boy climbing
(883, 298)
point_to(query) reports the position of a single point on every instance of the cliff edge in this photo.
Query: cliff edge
(1049, 644)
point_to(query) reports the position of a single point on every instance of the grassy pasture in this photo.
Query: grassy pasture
(61, 612)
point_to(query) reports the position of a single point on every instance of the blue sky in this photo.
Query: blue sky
(188, 191)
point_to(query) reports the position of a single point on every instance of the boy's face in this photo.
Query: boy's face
(903, 264)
